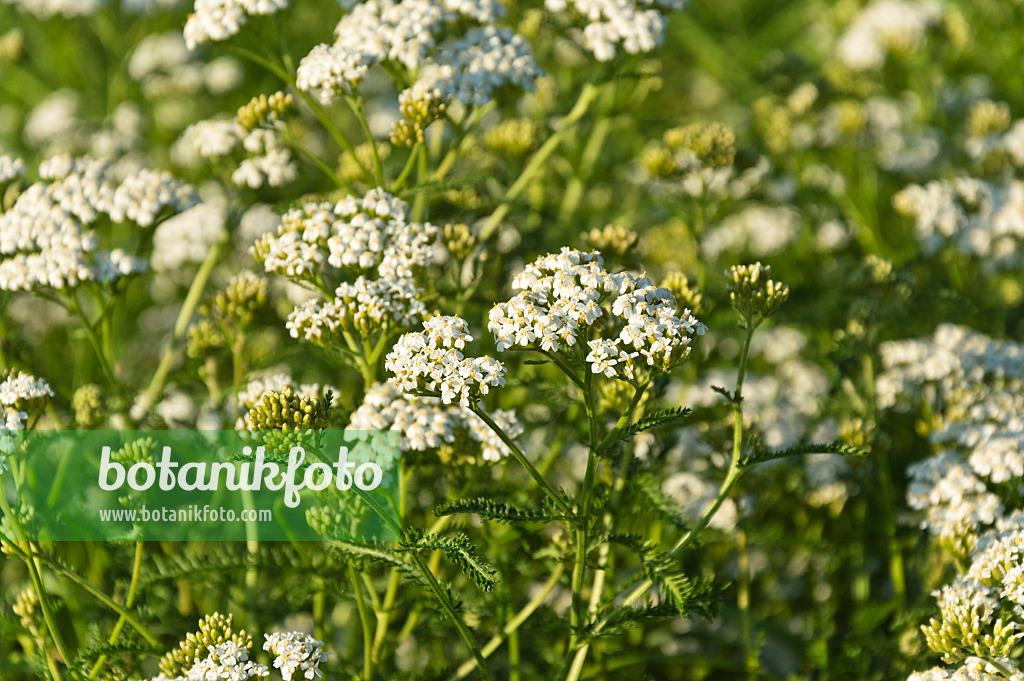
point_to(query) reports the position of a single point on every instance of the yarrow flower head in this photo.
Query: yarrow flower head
(45, 240)
(20, 393)
(635, 25)
(569, 296)
(431, 362)
(427, 424)
(217, 20)
(296, 653)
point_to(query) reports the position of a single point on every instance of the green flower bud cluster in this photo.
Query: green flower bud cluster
(713, 143)
(419, 108)
(610, 240)
(203, 338)
(263, 109)
(244, 294)
(966, 630)
(287, 411)
(214, 630)
(136, 451)
(986, 117)
(753, 293)
(514, 137)
(26, 607)
(686, 295)
(459, 240)
(88, 405)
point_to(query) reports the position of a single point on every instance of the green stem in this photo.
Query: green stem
(410, 163)
(129, 601)
(364, 619)
(537, 161)
(357, 110)
(513, 624)
(195, 292)
(444, 599)
(521, 458)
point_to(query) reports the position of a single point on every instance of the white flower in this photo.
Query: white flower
(635, 25)
(884, 26)
(296, 652)
(216, 20)
(431, 361)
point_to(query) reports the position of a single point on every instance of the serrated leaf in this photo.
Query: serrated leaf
(458, 550)
(656, 419)
(493, 509)
(761, 454)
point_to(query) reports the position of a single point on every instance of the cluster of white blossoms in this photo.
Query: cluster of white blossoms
(17, 392)
(635, 25)
(568, 296)
(296, 653)
(760, 230)
(369, 236)
(1008, 143)
(976, 385)
(427, 424)
(44, 9)
(886, 26)
(11, 168)
(981, 613)
(216, 20)
(187, 237)
(360, 306)
(45, 236)
(977, 218)
(431, 362)
(405, 31)
(467, 68)
(165, 67)
(268, 161)
(228, 660)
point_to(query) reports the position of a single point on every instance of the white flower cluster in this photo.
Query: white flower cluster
(16, 392)
(979, 219)
(227, 661)
(637, 25)
(426, 423)
(486, 59)
(982, 611)
(1010, 143)
(187, 237)
(165, 67)
(268, 162)
(296, 652)
(369, 235)
(44, 236)
(432, 362)
(977, 385)
(565, 294)
(44, 9)
(760, 230)
(216, 20)
(466, 69)
(886, 26)
(375, 31)
(362, 306)
(11, 168)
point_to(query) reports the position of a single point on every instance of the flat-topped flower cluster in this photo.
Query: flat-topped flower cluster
(46, 237)
(431, 362)
(371, 236)
(568, 297)
(428, 424)
(977, 385)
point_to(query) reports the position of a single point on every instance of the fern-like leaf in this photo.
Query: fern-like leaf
(493, 509)
(761, 454)
(459, 551)
(652, 421)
